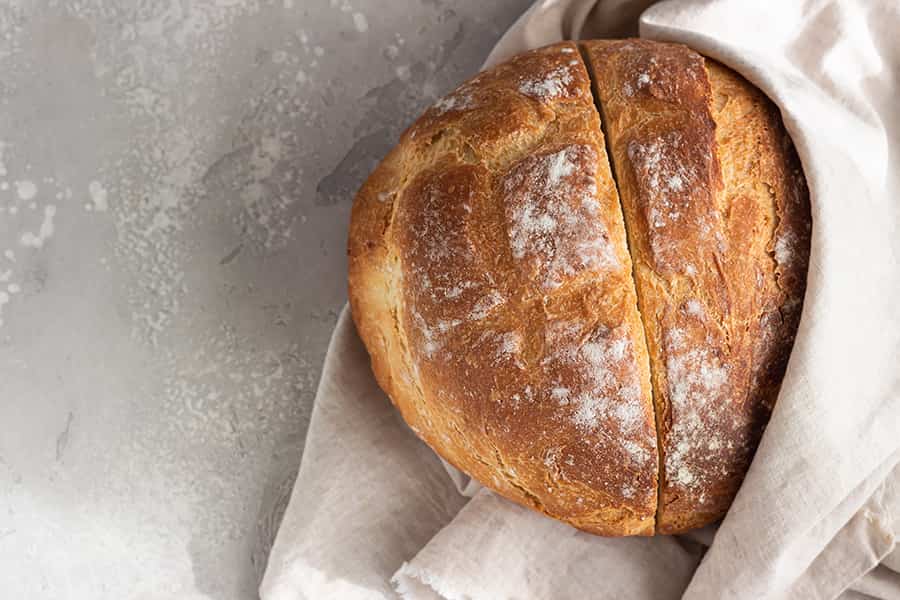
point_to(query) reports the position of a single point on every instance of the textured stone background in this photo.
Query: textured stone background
(175, 182)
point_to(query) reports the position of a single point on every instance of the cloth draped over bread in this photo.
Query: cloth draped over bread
(376, 514)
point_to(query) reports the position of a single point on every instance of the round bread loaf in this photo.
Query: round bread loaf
(584, 296)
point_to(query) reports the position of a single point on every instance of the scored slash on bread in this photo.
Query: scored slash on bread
(605, 351)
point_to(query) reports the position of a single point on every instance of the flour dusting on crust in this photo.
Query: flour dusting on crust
(697, 382)
(597, 384)
(441, 271)
(785, 248)
(669, 179)
(456, 101)
(554, 225)
(664, 176)
(554, 84)
(641, 81)
(485, 305)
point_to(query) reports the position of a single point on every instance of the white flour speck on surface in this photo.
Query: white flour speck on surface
(694, 308)
(431, 335)
(560, 166)
(684, 476)
(638, 453)
(459, 100)
(360, 22)
(785, 248)
(98, 196)
(552, 85)
(643, 79)
(342, 5)
(510, 343)
(37, 240)
(560, 394)
(391, 51)
(26, 189)
(485, 305)
(551, 458)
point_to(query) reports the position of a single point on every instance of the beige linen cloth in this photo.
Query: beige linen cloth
(375, 515)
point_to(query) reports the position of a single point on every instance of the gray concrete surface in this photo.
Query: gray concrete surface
(175, 183)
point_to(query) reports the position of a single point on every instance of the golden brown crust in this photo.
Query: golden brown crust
(490, 280)
(708, 186)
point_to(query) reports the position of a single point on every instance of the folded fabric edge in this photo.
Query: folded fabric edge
(465, 485)
(302, 581)
(415, 583)
(863, 543)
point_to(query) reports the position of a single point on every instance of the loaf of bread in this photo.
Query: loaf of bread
(579, 276)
